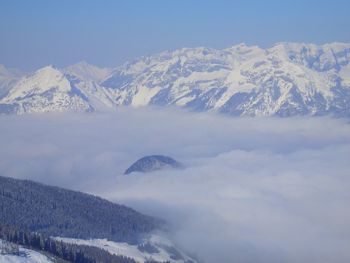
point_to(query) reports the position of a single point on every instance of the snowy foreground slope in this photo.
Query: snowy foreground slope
(24, 255)
(154, 248)
(40, 217)
(285, 80)
(27, 256)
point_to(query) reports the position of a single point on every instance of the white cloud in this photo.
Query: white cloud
(254, 190)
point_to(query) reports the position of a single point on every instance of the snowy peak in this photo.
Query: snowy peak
(46, 90)
(317, 57)
(87, 72)
(287, 79)
(50, 89)
(241, 52)
(43, 80)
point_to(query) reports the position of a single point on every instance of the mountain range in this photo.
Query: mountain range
(288, 79)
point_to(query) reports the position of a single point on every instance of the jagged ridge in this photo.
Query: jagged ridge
(287, 79)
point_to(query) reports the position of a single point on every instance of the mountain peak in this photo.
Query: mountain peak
(51, 71)
(42, 80)
(153, 163)
(46, 90)
(287, 79)
(84, 70)
(338, 46)
(83, 63)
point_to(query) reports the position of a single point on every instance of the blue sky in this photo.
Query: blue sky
(107, 33)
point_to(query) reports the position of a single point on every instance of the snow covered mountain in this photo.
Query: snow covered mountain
(287, 79)
(44, 91)
(52, 90)
(87, 72)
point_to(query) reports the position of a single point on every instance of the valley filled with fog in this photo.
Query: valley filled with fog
(253, 190)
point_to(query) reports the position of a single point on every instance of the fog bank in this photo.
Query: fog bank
(254, 189)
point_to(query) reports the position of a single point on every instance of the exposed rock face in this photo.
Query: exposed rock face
(153, 163)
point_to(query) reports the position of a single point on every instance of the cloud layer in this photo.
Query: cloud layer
(254, 190)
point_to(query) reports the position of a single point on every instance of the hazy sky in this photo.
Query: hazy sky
(40, 32)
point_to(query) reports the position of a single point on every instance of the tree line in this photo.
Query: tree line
(66, 251)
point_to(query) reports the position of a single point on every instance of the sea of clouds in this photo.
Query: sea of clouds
(254, 189)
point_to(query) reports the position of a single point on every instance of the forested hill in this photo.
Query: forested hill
(55, 211)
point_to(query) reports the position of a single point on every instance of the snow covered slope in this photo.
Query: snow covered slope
(85, 71)
(26, 256)
(52, 90)
(45, 90)
(287, 79)
(23, 255)
(154, 247)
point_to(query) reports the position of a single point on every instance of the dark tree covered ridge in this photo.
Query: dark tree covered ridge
(152, 163)
(55, 211)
